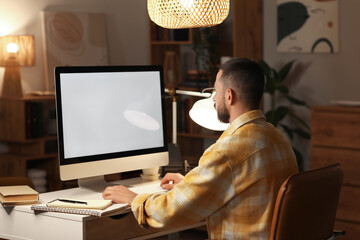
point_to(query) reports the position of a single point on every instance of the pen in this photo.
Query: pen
(72, 201)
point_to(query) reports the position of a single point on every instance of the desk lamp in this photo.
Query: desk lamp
(15, 51)
(176, 14)
(202, 112)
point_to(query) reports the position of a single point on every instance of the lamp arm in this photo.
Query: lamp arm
(188, 93)
(173, 92)
(192, 93)
(174, 121)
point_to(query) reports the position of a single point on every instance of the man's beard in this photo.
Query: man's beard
(223, 114)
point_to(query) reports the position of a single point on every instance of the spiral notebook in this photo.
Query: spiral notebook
(97, 208)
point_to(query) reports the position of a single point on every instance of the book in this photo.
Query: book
(18, 195)
(96, 208)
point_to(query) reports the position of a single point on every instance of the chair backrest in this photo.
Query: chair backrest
(13, 181)
(306, 205)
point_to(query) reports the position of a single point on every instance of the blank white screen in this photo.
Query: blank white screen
(97, 107)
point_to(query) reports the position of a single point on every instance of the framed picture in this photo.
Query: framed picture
(309, 26)
(73, 39)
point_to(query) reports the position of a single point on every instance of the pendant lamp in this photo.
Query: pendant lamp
(177, 14)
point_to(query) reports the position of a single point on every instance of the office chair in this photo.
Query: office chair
(306, 205)
(13, 181)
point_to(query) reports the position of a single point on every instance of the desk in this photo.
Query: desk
(20, 222)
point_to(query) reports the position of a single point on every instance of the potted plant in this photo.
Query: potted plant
(275, 87)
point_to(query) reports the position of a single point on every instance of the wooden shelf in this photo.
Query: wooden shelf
(30, 140)
(30, 97)
(22, 127)
(25, 157)
(171, 42)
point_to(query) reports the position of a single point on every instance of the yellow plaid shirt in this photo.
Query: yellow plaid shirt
(234, 187)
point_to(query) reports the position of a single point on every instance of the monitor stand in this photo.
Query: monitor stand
(95, 184)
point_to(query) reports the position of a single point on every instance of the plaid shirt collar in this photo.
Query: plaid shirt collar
(242, 120)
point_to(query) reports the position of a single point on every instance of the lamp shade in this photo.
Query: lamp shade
(25, 54)
(178, 14)
(204, 113)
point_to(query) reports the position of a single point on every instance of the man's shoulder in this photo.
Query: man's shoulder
(250, 138)
(261, 130)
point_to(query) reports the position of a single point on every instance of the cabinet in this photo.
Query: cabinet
(240, 35)
(27, 126)
(335, 133)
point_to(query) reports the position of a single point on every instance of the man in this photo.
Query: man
(237, 180)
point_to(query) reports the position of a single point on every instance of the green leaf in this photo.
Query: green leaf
(275, 78)
(265, 67)
(284, 71)
(299, 159)
(269, 86)
(268, 115)
(299, 120)
(278, 115)
(281, 112)
(297, 101)
(287, 130)
(283, 89)
(302, 133)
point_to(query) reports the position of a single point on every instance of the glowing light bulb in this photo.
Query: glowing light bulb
(12, 48)
(187, 3)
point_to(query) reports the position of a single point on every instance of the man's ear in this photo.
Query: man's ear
(230, 96)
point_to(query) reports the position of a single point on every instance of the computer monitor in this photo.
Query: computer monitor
(110, 119)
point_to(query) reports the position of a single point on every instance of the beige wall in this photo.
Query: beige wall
(126, 26)
(320, 78)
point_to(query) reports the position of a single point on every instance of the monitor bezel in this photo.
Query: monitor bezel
(101, 157)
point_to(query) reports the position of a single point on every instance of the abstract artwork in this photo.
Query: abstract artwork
(73, 39)
(308, 26)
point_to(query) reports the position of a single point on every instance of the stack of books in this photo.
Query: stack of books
(18, 195)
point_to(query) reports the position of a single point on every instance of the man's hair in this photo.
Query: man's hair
(246, 78)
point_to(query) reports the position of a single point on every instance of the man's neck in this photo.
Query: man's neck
(237, 111)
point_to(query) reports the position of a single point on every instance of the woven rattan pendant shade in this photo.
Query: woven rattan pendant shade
(188, 13)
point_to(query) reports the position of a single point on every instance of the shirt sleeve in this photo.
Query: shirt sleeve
(202, 192)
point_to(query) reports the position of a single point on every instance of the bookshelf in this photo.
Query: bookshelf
(27, 127)
(240, 35)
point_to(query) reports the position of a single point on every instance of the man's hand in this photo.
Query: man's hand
(119, 194)
(170, 180)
